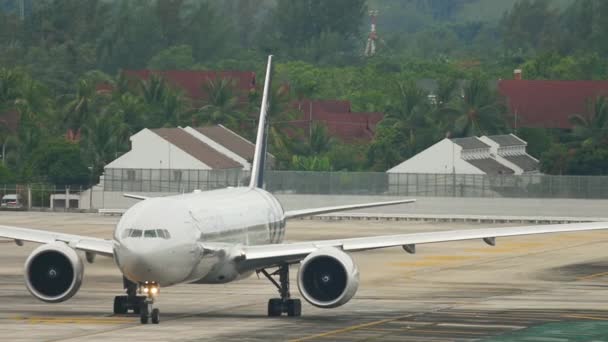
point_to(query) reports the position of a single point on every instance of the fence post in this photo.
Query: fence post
(29, 197)
(67, 198)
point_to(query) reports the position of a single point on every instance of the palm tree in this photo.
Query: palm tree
(164, 105)
(477, 112)
(222, 104)
(592, 128)
(9, 92)
(103, 139)
(81, 104)
(407, 127)
(319, 140)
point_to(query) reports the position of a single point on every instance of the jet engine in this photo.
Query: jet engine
(53, 272)
(328, 278)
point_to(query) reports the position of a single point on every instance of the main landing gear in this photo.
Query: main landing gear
(139, 305)
(130, 302)
(279, 306)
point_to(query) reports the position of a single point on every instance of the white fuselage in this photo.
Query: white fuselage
(163, 239)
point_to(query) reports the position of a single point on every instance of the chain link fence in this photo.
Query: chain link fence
(363, 183)
(166, 182)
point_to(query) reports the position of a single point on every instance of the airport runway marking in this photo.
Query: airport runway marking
(74, 320)
(592, 318)
(352, 328)
(593, 276)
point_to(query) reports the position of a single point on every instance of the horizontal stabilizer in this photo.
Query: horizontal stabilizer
(325, 210)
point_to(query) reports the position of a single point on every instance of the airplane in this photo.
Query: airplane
(221, 236)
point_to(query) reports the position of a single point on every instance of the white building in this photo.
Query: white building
(454, 156)
(510, 150)
(178, 159)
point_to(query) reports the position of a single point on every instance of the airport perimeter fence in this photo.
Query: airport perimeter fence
(363, 183)
(165, 182)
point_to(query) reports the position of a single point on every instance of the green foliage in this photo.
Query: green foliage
(59, 162)
(592, 128)
(6, 176)
(539, 140)
(173, 58)
(310, 163)
(52, 63)
(222, 105)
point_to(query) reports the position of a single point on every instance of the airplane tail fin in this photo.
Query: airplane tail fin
(259, 157)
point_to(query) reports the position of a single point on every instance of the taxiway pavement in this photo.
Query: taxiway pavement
(524, 289)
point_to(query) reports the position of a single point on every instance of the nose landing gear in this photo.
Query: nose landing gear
(139, 305)
(147, 310)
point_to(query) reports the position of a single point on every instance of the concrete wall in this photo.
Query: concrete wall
(442, 158)
(150, 151)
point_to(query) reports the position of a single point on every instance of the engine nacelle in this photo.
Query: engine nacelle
(328, 278)
(53, 272)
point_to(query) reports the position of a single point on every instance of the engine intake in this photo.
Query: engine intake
(328, 278)
(54, 272)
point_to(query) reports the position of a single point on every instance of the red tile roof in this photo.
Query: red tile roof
(336, 106)
(548, 104)
(344, 126)
(192, 82)
(10, 120)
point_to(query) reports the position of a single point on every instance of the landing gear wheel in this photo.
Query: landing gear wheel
(279, 306)
(294, 308)
(155, 316)
(139, 301)
(120, 305)
(275, 307)
(143, 316)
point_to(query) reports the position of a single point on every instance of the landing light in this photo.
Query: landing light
(150, 288)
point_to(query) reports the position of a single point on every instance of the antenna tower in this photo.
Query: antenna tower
(370, 47)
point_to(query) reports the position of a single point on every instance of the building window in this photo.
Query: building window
(177, 176)
(130, 175)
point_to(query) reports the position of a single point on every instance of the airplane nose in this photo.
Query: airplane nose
(140, 263)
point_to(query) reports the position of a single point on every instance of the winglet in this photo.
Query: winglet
(137, 197)
(257, 169)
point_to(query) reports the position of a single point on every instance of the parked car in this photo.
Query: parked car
(12, 201)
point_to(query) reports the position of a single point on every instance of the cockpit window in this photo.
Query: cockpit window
(163, 233)
(150, 233)
(135, 233)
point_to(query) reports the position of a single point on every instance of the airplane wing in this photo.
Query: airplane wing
(137, 197)
(324, 210)
(271, 255)
(83, 243)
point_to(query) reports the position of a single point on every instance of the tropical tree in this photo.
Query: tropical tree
(82, 104)
(222, 104)
(164, 105)
(479, 111)
(105, 136)
(407, 127)
(319, 140)
(592, 128)
(311, 163)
